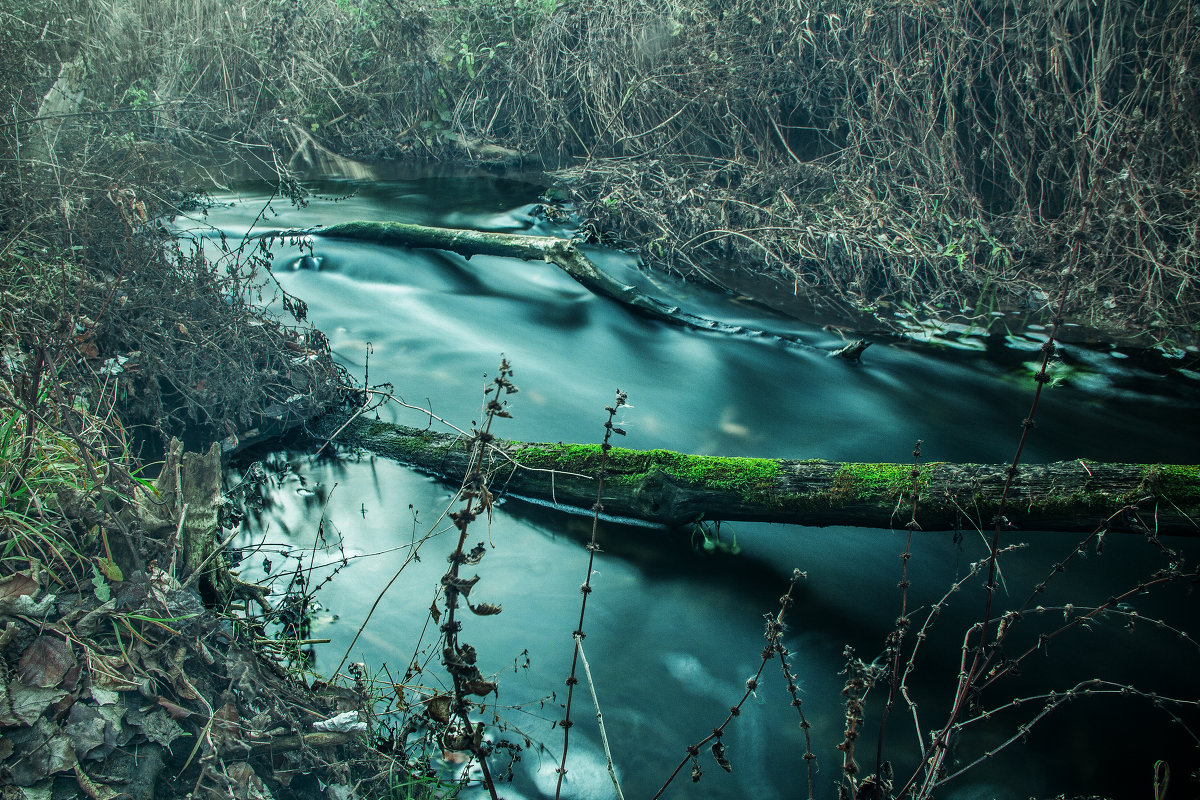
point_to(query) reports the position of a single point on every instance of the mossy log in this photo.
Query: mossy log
(669, 488)
(563, 253)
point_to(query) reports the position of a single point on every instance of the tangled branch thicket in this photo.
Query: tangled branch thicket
(937, 152)
(876, 154)
(171, 337)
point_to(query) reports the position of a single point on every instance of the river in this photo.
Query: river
(674, 624)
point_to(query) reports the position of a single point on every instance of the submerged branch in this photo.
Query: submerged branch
(563, 253)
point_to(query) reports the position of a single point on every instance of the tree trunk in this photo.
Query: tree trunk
(671, 488)
(561, 252)
(184, 512)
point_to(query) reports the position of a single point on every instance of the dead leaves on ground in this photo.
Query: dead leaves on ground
(82, 680)
(47, 662)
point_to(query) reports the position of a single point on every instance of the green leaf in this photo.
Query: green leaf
(110, 569)
(101, 589)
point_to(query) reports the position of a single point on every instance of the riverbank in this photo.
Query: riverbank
(741, 138)
(113, 630)
(126, 673)
(947, 163)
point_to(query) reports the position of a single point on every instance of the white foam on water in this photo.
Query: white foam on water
(587, 773)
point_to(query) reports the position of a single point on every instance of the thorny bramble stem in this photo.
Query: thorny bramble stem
(895, 639)
(459, 659)
(935, 754)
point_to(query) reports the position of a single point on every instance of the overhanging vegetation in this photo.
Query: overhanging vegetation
(908, 160)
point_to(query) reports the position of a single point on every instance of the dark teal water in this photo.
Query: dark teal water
(673, 629)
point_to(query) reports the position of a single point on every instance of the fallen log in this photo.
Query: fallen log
(673, 489)
(563, 253)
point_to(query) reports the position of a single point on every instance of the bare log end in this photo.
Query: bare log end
(853, 351)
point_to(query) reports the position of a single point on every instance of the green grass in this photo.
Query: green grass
(412, 787)
(45, 477)
(36, 466)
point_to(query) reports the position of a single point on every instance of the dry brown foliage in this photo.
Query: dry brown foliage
(939, 155)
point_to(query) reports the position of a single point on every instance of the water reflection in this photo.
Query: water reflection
(673, 633)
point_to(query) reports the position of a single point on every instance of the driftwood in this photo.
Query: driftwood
(563, 253)
(673, 489)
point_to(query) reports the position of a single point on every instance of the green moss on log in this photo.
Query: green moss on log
(581, 458)
(748, 477)
(676, 488)
(861, 482)
(402, 443)
(805, 502)
(1181, 484)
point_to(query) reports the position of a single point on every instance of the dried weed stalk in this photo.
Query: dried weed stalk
(774, 635)
(459, 658)
(585, 590)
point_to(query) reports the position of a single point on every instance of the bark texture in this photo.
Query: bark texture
(671, 488)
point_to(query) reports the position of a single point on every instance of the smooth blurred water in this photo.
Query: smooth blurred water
(674, 630)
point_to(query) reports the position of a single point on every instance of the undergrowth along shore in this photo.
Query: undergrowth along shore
(908, 161)
(975, 190)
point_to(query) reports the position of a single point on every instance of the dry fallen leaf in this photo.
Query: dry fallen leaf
(39, 752)
(227, 729)
(45, 662)
(111, 673)
(17, 585)
(85, 728)
(246, 784)
(176, 711)
(438, 707)
(96, 791)
(156, 725)
(95, 731)
(26, 607)
(22, 705)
